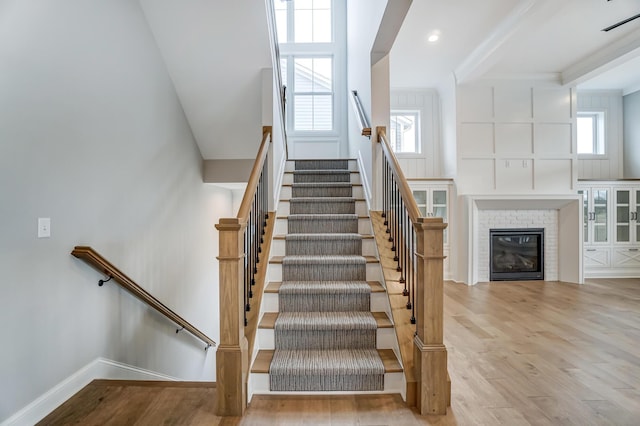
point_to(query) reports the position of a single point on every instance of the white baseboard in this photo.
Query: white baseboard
(100, 368)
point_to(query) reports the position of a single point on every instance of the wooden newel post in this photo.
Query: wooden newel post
(430, 354)
(232, 357)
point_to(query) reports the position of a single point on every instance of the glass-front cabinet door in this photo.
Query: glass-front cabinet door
(421, 200)
(595, 215)
(627, 205)
(623, 216)
(433, 202)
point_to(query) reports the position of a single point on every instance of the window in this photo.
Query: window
(312, 64)
(313, 94)
(304, 21)
(405, 132)
(590, 133)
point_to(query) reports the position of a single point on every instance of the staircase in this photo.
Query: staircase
(325, 317)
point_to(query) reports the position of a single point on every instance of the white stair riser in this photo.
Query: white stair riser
(284, 208)
(356, 192)
(385, 338)
(278, 247)
(270, 302)
(259, 385)
(364, 226)
(291, 166)
(374, 272)
(288, 178)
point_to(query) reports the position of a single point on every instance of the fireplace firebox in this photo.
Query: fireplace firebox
(516, 254)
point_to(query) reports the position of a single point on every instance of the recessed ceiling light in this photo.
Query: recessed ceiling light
(433, 36)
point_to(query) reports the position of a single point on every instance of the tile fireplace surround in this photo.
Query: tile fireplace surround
(560, 216)
(503, 219)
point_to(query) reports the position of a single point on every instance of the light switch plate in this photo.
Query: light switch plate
(44, 227)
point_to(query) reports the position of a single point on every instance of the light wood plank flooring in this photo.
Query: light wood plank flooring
(520, 353)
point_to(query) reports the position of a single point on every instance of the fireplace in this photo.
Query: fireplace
(516, 254)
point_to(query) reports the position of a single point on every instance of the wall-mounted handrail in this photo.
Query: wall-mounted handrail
(363, 122)
(277, 70)
(97, 261)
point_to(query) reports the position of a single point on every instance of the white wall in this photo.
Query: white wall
(429, 162)
(515, 138)
(94, 137)
(447, 92)
(363, 20)
(515, 141)
(632, 135)
(218, 83)
(610, 166)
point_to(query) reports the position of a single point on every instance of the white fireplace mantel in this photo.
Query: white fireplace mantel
(568, 225)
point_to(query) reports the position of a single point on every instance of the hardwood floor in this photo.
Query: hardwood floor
(520, 353)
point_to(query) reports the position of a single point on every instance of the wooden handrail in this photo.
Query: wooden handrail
(254, 178)
(242, 255)
(403, 186)
(93, 258)
(417, 247)
(363, 122)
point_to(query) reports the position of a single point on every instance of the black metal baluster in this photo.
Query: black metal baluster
(400, 243)
(396, 222)
(392, 198)
(247, 282)
(413, 280)
(385, 189)
(407, 285)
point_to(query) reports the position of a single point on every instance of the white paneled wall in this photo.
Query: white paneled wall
(516, 138)
(609, 166)
(428, 163)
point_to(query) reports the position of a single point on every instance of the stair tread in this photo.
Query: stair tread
(322, 184)
(279, 259)
(350, 215)
(363, 236)
(303, 171)
(268, 320)
(288, 200)
(263, 359)
(346, 322)
(274, 286)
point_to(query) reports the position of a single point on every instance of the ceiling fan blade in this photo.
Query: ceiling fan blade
(616, 25)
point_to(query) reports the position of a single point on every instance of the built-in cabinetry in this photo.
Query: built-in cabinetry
(611, 230)
(433, 198)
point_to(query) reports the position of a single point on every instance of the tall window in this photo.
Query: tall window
(308, 50)
(590, 133)
(405, 132)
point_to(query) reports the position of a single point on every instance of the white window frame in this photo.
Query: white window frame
(418, 131)
(600, 150)
(336, 49)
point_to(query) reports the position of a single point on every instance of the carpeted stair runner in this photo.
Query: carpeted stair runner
(320, 296)
(325, 333)
(322, 223)
(323, 205)
(315, 176)
(318, 244)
